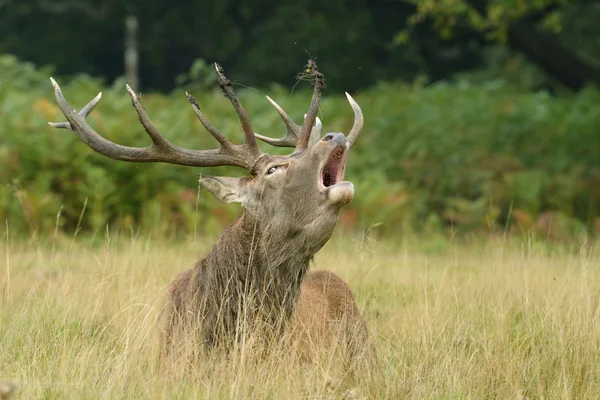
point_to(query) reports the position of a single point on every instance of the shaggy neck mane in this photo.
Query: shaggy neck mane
(252, 271)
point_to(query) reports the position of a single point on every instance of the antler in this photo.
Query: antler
(295, 132)
(359, 121)
(161, 150)
(310, 131)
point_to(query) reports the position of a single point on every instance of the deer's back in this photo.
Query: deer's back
(326, 315)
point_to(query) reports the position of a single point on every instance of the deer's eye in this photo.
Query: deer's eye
(272, 169)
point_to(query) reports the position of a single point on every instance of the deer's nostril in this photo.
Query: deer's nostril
(328, 137)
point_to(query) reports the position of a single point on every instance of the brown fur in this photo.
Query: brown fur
(326, 315)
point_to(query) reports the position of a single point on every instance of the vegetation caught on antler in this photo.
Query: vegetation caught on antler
(317, 82)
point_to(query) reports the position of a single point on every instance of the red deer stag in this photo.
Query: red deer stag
(257, 271)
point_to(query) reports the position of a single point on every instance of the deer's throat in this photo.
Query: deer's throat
(251, 261)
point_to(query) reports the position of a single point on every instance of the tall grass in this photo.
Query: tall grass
(493, 318)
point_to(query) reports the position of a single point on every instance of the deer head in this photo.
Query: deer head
(300, 192)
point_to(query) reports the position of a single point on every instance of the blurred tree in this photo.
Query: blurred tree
(353, 42)
(357, 43)
(75, 36)
(537, 29)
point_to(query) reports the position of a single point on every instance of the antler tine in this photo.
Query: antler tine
(85, 111)
(358, 121)
(207, 125)
(226, 86)
(152, 131)
(293, 129)
(287, 141)
(316, 132)
(318, 84)
(161, 150)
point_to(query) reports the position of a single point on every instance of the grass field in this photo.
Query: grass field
(491, 318)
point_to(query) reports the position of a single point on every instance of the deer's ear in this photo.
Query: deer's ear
(225, 189)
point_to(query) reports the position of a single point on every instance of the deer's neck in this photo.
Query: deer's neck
(264, 263)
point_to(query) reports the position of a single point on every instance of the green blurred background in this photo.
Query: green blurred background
(481, 116)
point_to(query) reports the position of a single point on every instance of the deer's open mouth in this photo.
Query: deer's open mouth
(333, 170)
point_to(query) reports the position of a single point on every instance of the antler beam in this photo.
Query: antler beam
(162, 150)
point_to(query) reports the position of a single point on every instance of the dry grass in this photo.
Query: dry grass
(496, 319)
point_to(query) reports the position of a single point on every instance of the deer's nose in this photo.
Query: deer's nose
(336, 137)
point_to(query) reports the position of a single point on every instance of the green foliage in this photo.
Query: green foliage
(499, 14)
(260, 41)
(469, 156)
(356, 43)
(472, 153)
